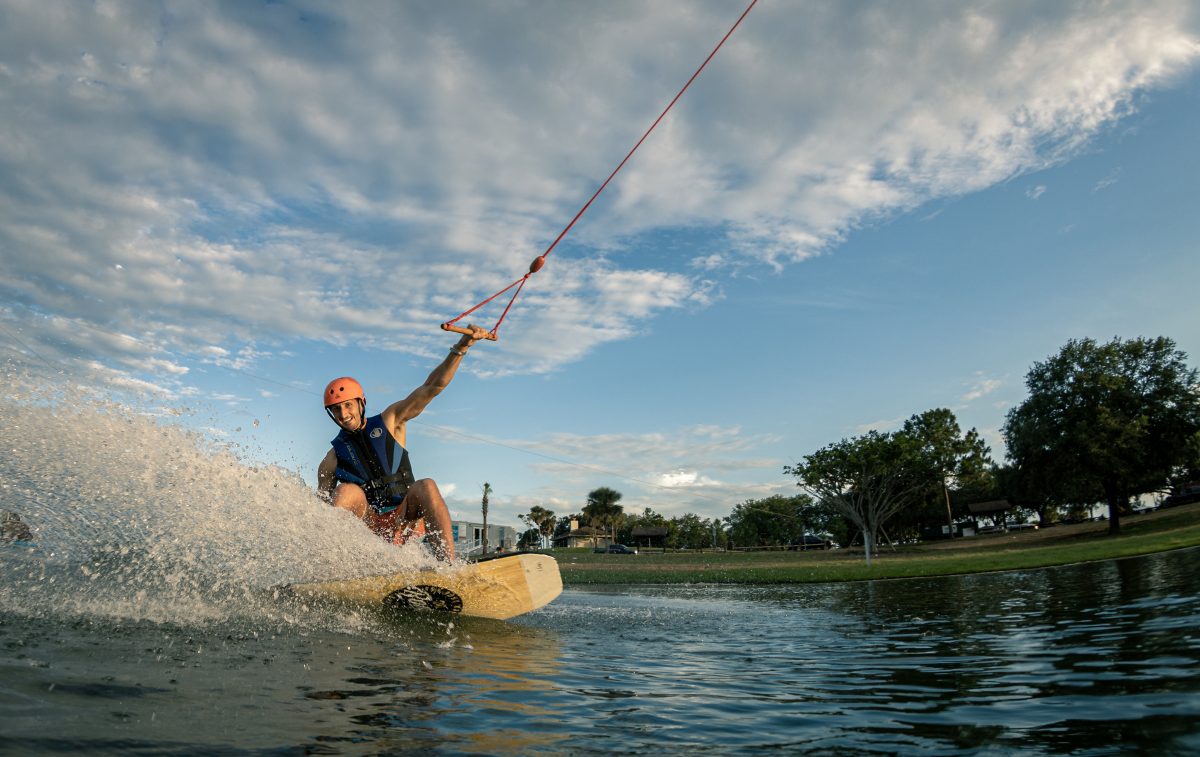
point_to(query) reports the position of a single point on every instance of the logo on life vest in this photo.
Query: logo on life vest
(424, 598)
(376, 433)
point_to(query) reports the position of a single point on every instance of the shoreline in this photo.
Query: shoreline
(1148, 533)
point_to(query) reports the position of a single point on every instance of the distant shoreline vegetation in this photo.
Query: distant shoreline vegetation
(1160, 531)
(1116, 423)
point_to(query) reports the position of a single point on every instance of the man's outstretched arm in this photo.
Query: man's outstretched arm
(412, 405)
(327, 475)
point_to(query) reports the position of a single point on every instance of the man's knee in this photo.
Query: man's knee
(425, 500)
(425, 488)
(350, 497)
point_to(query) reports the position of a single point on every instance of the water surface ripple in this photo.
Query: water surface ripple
(1089, 659)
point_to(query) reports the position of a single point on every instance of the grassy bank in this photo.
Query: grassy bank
(1176, 528)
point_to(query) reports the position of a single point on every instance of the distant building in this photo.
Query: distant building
(996, 509)
(650, 536)
(582, 536)
(468, 538)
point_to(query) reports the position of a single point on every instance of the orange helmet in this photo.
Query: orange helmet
(342, 389)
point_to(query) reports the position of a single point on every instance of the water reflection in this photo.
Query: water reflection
(430, 682)
(399, 686)
(1041, 660)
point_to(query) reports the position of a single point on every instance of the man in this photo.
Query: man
(367, 470)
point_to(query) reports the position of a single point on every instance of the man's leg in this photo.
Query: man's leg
(351, 497)
(425, 501)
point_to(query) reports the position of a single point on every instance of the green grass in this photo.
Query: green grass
(1177, 528)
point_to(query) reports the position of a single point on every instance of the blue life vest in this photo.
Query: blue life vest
(372, 458)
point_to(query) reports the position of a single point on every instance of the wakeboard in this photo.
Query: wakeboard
(500, 587)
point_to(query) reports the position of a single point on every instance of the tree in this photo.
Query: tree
(941, 455)
(1114, 419)
(863, 478)
(691, 531)
(541, 520)
(530, 539)
(487, 489)
(647, 518)
(602, 509)
(770, 522)
(1040, 487)
(1189, 470)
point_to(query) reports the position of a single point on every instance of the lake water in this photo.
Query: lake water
(1095, 659)
(143, 622)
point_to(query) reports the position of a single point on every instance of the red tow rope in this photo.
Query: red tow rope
(540, 260)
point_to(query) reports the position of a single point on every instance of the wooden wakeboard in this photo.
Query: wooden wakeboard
(500, 588)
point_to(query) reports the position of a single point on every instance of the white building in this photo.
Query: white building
(468, 538)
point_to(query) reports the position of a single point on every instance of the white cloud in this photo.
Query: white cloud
(1107, 181)
(885, 426)
(710, 262)
(1035, 192)
(982, 388)
(185, 182)
(701, 469)
(685, 479)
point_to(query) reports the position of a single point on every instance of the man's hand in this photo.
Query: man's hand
(477, 333)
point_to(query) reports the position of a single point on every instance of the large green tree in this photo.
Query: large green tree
(602, 509)
(1115, 419)
(691, 531)
(940, 456)
(770, 522)
(1038, 485)
(867, 479)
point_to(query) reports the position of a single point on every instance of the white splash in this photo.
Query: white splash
(133, 517)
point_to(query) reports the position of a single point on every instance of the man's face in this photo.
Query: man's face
(347, 414)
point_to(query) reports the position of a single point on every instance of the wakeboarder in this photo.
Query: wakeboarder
(367, 470)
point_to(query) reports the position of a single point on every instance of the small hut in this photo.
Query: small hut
(649, 536)
(995, 509)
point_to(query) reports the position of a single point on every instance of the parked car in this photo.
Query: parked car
(615, 549)
(810, 542)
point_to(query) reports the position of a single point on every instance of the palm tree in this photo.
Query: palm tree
(546, 525)
(487, 489)
(602, 508)
(541, 519)
(545, 521)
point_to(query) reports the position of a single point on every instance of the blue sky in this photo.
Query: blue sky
(858, 212)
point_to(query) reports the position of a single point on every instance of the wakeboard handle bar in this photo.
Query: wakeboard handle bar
(491, 335)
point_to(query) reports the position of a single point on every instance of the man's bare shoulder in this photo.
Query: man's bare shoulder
(400, 412)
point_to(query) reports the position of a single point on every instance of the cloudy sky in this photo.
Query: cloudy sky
(860, 211)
